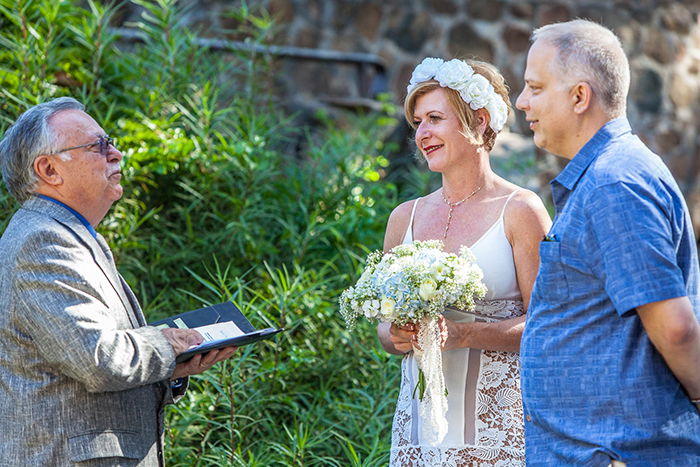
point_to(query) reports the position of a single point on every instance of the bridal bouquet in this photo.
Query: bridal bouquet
(414, 283)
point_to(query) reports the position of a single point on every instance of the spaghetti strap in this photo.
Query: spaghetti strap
(503, 210)
(408, 235)
(413, 212)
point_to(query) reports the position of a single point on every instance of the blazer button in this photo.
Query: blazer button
(528, 418)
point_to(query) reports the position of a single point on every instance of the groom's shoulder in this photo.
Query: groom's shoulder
(627, 163)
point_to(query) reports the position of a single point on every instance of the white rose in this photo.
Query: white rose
(454, 74)
(375, 308)
(438, 270)
(427, 289)
(367, 308)
(498, 111)
(477, 92)
(424, 71)
(388, 306)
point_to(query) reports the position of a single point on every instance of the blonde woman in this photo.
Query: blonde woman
(457, 109)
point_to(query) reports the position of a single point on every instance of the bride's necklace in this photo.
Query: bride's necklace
(453, 206)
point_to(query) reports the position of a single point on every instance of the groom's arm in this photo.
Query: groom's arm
(640, 271)
(674, 330)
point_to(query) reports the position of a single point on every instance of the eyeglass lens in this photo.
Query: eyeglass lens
(105, 142)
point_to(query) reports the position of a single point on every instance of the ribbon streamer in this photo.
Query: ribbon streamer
(433, 405)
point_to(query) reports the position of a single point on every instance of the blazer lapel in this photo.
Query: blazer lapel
(98, 248)
(105, 261)
(135, 307)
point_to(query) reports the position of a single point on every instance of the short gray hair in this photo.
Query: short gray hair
(587, 51)
(29, 137)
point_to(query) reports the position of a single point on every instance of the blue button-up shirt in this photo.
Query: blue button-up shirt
(594, 387)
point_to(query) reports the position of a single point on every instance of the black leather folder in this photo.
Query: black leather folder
(218, 313)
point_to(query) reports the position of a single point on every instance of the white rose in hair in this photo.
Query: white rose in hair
(424, 71)
(477, 92)
(454, 74)
(498, 111)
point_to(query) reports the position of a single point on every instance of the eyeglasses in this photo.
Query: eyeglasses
(104, 142)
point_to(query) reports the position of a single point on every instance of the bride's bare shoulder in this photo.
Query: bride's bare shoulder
(398, 223)
(526, 211)
(524, 198)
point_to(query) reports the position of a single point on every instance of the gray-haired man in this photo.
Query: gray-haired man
(611, 347)
(83, 379)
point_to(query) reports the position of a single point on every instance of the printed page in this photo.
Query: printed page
(219, 331)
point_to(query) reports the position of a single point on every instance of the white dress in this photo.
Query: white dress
(484, 411)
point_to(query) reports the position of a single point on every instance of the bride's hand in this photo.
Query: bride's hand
(403, 337)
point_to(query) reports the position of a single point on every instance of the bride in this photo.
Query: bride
(457, 108)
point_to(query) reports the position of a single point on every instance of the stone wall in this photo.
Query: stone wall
(661, 38)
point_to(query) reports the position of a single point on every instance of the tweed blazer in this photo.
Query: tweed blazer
(82, 379)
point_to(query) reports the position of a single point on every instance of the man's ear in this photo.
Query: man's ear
(581, 97)
(45, 169)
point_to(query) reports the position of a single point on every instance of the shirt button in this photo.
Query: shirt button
(528, 418)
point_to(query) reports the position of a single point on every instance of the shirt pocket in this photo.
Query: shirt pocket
(106, 444)
(551, 280)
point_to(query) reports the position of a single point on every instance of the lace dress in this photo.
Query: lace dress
(484, 411)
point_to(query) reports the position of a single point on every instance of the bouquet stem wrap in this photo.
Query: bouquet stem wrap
(433, 404)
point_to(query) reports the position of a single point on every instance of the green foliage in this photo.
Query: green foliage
(218, 205)
(7, 206)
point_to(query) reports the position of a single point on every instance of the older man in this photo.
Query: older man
(83, 379)
(611, 348)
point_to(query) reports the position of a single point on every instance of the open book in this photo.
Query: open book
(221, 325)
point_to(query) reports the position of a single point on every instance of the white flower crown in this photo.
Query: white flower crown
(474, 89)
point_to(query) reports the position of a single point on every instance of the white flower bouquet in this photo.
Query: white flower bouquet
(414, 283)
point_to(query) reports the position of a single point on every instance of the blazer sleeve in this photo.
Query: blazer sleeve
(58, 289)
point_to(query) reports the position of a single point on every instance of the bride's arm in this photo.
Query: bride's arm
(396, 340)
(526, 223)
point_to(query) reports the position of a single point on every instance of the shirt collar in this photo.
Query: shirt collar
(575, 169)
(82, 220)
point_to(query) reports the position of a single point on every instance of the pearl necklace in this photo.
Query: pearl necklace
(453, 206)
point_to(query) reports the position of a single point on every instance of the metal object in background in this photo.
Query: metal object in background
(370, 68)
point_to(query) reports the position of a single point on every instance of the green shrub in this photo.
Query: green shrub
(218, 207)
